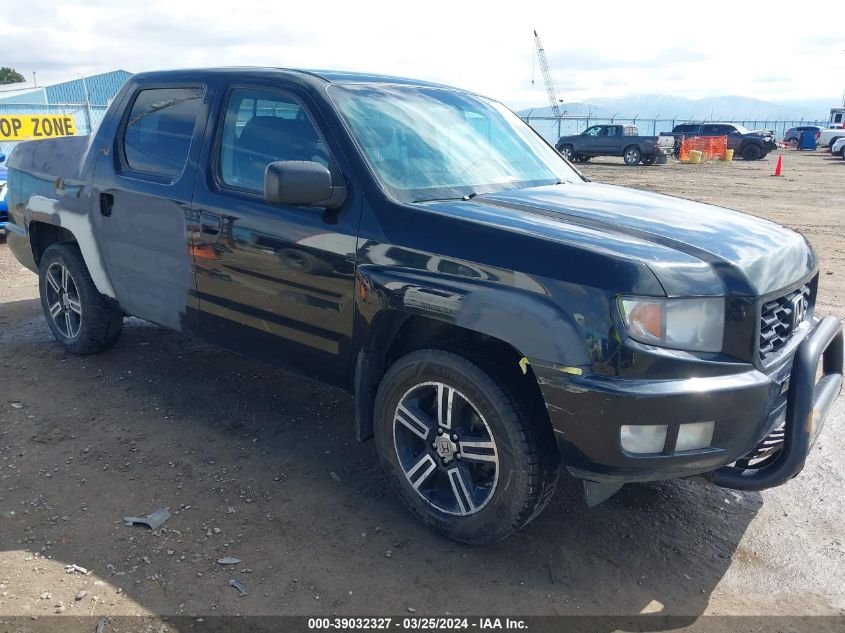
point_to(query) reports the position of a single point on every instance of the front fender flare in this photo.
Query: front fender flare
(530, 322)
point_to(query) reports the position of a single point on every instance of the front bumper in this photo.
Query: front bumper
(808, 403)
(588, 411)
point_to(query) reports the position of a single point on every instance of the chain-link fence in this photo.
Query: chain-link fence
(552, 128)
(86, 117)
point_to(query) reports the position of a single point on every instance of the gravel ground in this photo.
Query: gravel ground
(261, 465)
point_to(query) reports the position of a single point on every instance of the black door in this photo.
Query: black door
(143, 187)
(272, 281)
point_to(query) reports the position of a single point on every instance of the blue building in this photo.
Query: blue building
(84, 98)
(100, 89)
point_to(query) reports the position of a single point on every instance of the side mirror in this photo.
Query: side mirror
(301, 183)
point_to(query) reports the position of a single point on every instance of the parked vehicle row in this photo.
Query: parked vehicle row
(494, 313)
(624, 140)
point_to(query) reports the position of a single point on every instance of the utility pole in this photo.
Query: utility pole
(88, 118)
(547, 77)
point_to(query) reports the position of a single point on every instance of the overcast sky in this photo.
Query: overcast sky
(686, 49)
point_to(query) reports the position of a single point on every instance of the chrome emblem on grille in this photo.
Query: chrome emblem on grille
(799, 310)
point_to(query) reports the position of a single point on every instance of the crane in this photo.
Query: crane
(547, 76)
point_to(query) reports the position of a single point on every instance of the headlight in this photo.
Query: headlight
(695, 324)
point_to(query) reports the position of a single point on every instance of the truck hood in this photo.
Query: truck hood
(692, 248)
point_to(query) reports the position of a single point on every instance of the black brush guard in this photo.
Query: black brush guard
(808, 404)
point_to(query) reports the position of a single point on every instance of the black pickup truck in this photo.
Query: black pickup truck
(616, 140)
(751, 145)
(494, 313)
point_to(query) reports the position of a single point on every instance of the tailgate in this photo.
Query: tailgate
(666, 141)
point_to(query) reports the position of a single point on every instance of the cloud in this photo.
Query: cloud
(486, 47)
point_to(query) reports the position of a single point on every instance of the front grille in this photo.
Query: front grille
(767, 450)
(776, 327)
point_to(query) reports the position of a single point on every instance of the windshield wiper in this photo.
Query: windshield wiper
(469, 196)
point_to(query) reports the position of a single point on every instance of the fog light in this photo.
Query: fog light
(643, 438)
(695, 435)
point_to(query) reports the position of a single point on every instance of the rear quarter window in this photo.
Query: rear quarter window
(157, 135)
(685, 129)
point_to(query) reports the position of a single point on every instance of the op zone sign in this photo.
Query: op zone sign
(25, 127)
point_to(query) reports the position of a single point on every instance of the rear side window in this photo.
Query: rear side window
(158, 133)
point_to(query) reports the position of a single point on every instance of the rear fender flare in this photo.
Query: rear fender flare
(50, 211)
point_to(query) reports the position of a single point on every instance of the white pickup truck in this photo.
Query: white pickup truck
(835, 128)
(829, 136)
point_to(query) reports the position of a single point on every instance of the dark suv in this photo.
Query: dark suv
(751, 145)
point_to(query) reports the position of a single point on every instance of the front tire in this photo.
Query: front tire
(566, 151)
(650, 159)
(465, 452)
(752, 152)
(632, 156)
(80, 318)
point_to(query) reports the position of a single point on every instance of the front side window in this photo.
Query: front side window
(261, 128)
(432, 143)
(158, 132)
(593, 131)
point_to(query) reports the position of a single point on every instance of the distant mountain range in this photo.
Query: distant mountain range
(710, 108)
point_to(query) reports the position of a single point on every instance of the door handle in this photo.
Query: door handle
(209, 227)
(106, 204)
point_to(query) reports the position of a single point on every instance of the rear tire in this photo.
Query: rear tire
(631, 156)
(751, 152)
(494, 467)
(80, 318)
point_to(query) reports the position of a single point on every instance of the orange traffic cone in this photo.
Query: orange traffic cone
(779, 166)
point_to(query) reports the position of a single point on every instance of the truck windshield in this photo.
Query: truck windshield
(432, 144)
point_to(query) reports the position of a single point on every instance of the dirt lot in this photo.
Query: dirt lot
(262, 465)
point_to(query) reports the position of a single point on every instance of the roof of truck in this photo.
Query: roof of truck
(327, 76)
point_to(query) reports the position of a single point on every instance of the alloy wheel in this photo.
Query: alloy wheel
(445, 448)
(63, 302)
